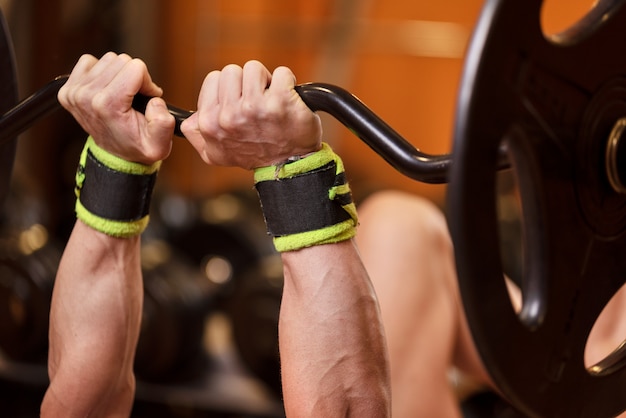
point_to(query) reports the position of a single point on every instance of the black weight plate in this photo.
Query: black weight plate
(553, 102)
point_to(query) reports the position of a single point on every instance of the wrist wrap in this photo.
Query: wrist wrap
(307, 202)
(113, 195)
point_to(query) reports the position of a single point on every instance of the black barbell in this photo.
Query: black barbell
(336, 101)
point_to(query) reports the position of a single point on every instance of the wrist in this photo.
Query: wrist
(291, 159)
(113, 195)
(116, 161)
(307, 202)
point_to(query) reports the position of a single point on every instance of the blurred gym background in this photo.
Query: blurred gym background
(208, 345)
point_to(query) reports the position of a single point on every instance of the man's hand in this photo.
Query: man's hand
(248, 117)
(96, 309)
(99, 94)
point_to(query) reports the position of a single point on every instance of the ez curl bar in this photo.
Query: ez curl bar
(553, 108)
(336, 101)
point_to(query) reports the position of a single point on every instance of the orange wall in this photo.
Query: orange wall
(376, 49)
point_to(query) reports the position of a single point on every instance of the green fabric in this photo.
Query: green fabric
(299, 166)
(329, 234)
(107, 226)
(113, 228)
(116, 163)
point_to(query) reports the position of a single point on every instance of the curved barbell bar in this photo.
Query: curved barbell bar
(335, 101)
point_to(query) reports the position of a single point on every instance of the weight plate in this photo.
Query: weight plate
(552, 101)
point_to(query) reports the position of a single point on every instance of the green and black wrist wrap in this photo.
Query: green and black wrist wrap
(307, 202)
(113, 195)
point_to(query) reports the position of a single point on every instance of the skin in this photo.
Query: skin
(332, 344)
(336, 345)
(407, 250)
(97, 300)
(243, 116)
(250, 118)
(336, 359)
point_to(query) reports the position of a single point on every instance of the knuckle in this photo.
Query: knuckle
(86, 59)
(253, 65)
(215, 74)
(72, 98)
(228, 120)
(109, 55)
(284, 72)
(232, 69)
(205, 125)
(274, 111)
(250, 109)
(100, 103)
(137, 63)
(62, 96)
(211, 79)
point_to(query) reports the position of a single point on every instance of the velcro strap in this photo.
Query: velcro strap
(302, 203)
(115, 195)
(307, 201)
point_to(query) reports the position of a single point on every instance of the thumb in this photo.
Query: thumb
(160, 127)
(159, 118)
(191, 130)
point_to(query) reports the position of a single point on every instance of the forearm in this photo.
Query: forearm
(97, 301)
(94, 326)
(333, 354)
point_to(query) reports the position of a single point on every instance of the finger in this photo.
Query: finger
(160, 129)
(110, 63)
(90, 77)
(189, 126)
(209, 92)
(134, 78)
(158, 115)
(256, 79)
(84, 64)
(190, 129)
(148, 86)
(105, 69)
(283, 79)
(282, 89)
(230, 84)
(131, 78)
